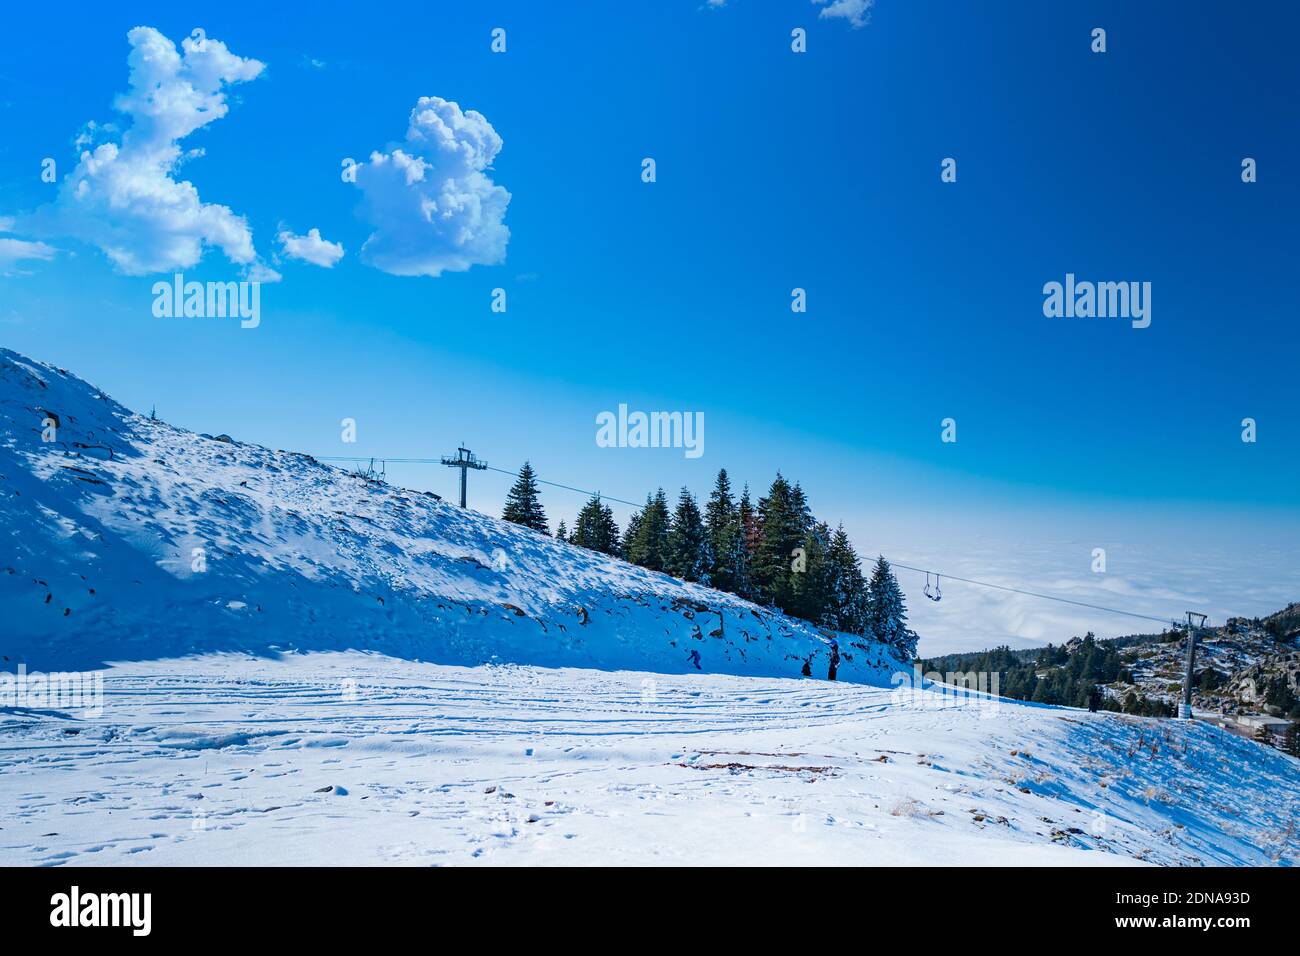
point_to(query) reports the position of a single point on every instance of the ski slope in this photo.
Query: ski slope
(129, 539)
(361, 674)
(347, 758)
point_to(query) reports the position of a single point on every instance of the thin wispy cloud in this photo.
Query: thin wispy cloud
(14, 251)
(856, 12)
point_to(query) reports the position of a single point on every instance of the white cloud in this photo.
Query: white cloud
(311, 248)
(1150, 571)
(429, 200)
(122, 197)
(93, 133)
(20, 250)
(261, 272)
(855, 11)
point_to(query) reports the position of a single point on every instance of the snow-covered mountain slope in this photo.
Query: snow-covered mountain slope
(347, 758)
(590, 738)
(124, 538)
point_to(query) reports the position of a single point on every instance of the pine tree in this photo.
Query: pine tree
(647, 545)
(586, 524)
(611, 531)
(887, 609)
(744, 545)
(722, 529)
(523, 505)
(847, 585)
(689, 555)
(628, 547)
(780, 531)
(595, 528)
(799, 506)
(810, 582)
(561, 533)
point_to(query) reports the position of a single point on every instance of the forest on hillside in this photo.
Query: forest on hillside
(773, 552)
(1056, 674)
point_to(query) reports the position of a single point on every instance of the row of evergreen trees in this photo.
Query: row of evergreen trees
(774, 553)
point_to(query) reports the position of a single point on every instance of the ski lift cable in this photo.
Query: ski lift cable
(504, 471)
(905, 567)
(556, 484)
(1037, 594)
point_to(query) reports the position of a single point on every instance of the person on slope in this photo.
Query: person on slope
(835, 660)
(1094, 699)
(694, 658)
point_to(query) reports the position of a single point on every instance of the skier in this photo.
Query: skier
(835, 660)
(1094, 699)
(694, 657)
(806, 670)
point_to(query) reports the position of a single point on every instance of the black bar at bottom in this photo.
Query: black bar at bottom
(334, 906)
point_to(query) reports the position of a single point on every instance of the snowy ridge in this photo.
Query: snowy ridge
(103, 526)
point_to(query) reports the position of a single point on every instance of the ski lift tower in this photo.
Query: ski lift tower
(1185, 711)
(464, 460)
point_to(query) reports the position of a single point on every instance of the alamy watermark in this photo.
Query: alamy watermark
(937, 691)
(651, 430)
(58, 690)
(1101, 300)
(75, 908)
(208, 300)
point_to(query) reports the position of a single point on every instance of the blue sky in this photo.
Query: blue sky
(775, 170)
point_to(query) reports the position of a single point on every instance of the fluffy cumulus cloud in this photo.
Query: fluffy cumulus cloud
(429, 201)
(123, 196)
(311, 248)
(857, 12)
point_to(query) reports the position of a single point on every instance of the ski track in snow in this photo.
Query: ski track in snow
(224, 759)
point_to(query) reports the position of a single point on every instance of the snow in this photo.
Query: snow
(111, 521)
(351, 758)
(347, 673)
